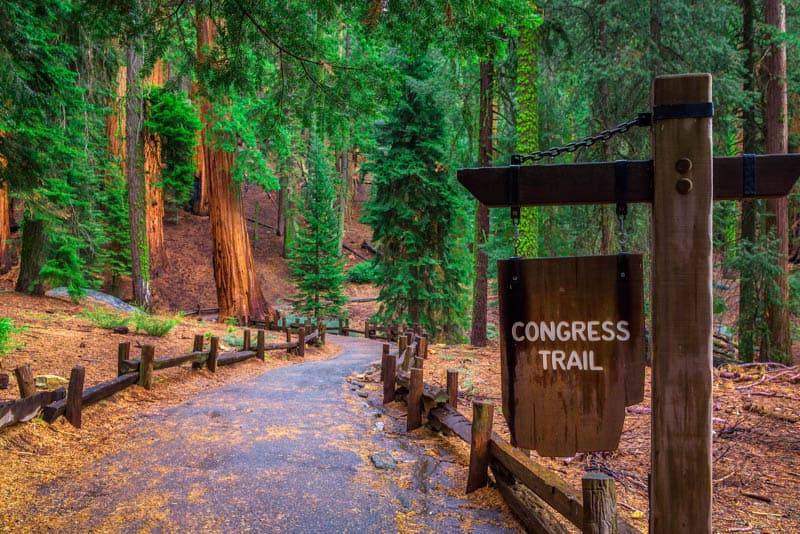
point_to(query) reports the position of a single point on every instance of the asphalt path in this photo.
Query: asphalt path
(286, 451)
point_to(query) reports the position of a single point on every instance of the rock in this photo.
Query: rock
(363, 394)
(379, 426)
(121, 330)
(358, 384)
(383, 460)
(49, 381)
(95, 296)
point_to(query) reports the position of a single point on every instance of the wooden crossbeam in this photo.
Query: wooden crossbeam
(595, 183)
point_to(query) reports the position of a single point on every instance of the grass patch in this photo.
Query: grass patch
(7, 330)
(154, 325)
(105, 318)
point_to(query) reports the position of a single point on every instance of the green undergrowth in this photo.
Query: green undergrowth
(7, 331)
(153, 325)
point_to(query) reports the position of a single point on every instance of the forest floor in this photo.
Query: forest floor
(756, 413)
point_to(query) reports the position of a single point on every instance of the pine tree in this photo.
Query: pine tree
(415, 211)
(315, 259)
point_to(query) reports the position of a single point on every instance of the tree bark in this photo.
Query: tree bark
(205, 31)
(477, 337)
(777, 220)
(528, 129)
(238, 290)
(5, 230)
(747, 291)
(134, 167)
(155, 192)
(33, 256)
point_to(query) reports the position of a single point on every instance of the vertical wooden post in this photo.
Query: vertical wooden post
(288, 339)
(261, 354)
(390, 377)
(680, 498)
(123, 353)
(25, 380)
(74, 404)
(599, 504)
(401, 347)
(198, 347)
(482, 419)
(146, 366)
(213, 354)
(414, 400)
(422, 348)
(301, 341)
(246, 339)
(452, 388)
(323, 332)
(384, 354)
(198, 343)
(366, 329)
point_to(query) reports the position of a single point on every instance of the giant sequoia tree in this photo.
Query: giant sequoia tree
(414, 210)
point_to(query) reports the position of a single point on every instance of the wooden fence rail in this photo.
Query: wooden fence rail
(534, 493)
(70, 402)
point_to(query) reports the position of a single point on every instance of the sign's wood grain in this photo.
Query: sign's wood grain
(572, 342)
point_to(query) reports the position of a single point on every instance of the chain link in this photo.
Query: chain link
(642, 119)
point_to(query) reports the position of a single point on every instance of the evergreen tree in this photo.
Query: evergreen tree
(315, 259)
(415, 210)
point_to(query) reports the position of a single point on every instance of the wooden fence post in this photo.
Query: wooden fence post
(123, 353)
(301, 341)
(366, 329)
(401, 347)
(599, 504)
(261, 354)
(482, 419)
(25, 380)
(414, 400)
(384, 353)
(323, 332)
(146, 366)
(213, 354)
(423, 346)
(680, 497)
(452, 388)
(390, 376)
(288, 338)
(197, 347)
(74, 406)
(246, 339)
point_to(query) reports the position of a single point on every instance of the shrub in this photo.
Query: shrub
(362, 273)
(6, 330)
(104, 318)
(154, 325)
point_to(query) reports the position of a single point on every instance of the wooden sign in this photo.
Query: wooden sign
(573, 356)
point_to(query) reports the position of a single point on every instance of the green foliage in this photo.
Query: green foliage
(154, 325)
(171, 116)
(233, 340)
(362, 273)
(7, 331)
(758, 264)
(415, 211)
(316, 260)
(105, 318)
(794, 292)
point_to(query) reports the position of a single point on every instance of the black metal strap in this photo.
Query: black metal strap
(697, 110)
(623, 267)
(621, 187)
(749, 174)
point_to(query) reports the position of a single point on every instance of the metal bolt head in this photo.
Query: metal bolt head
(683, 165)
(683, 185)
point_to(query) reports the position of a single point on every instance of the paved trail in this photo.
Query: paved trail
(287, 451)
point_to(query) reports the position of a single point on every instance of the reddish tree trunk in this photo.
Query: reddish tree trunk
(777, 220)
(5, 230)
(238, 290)
(205, 35)
(477, 337)
(155, 193)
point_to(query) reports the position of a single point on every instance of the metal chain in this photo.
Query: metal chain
(642, 119)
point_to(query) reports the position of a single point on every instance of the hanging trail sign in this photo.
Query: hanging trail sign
(572, 345)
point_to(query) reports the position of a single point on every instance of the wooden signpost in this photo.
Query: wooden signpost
(681, 182)
(572, 342)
